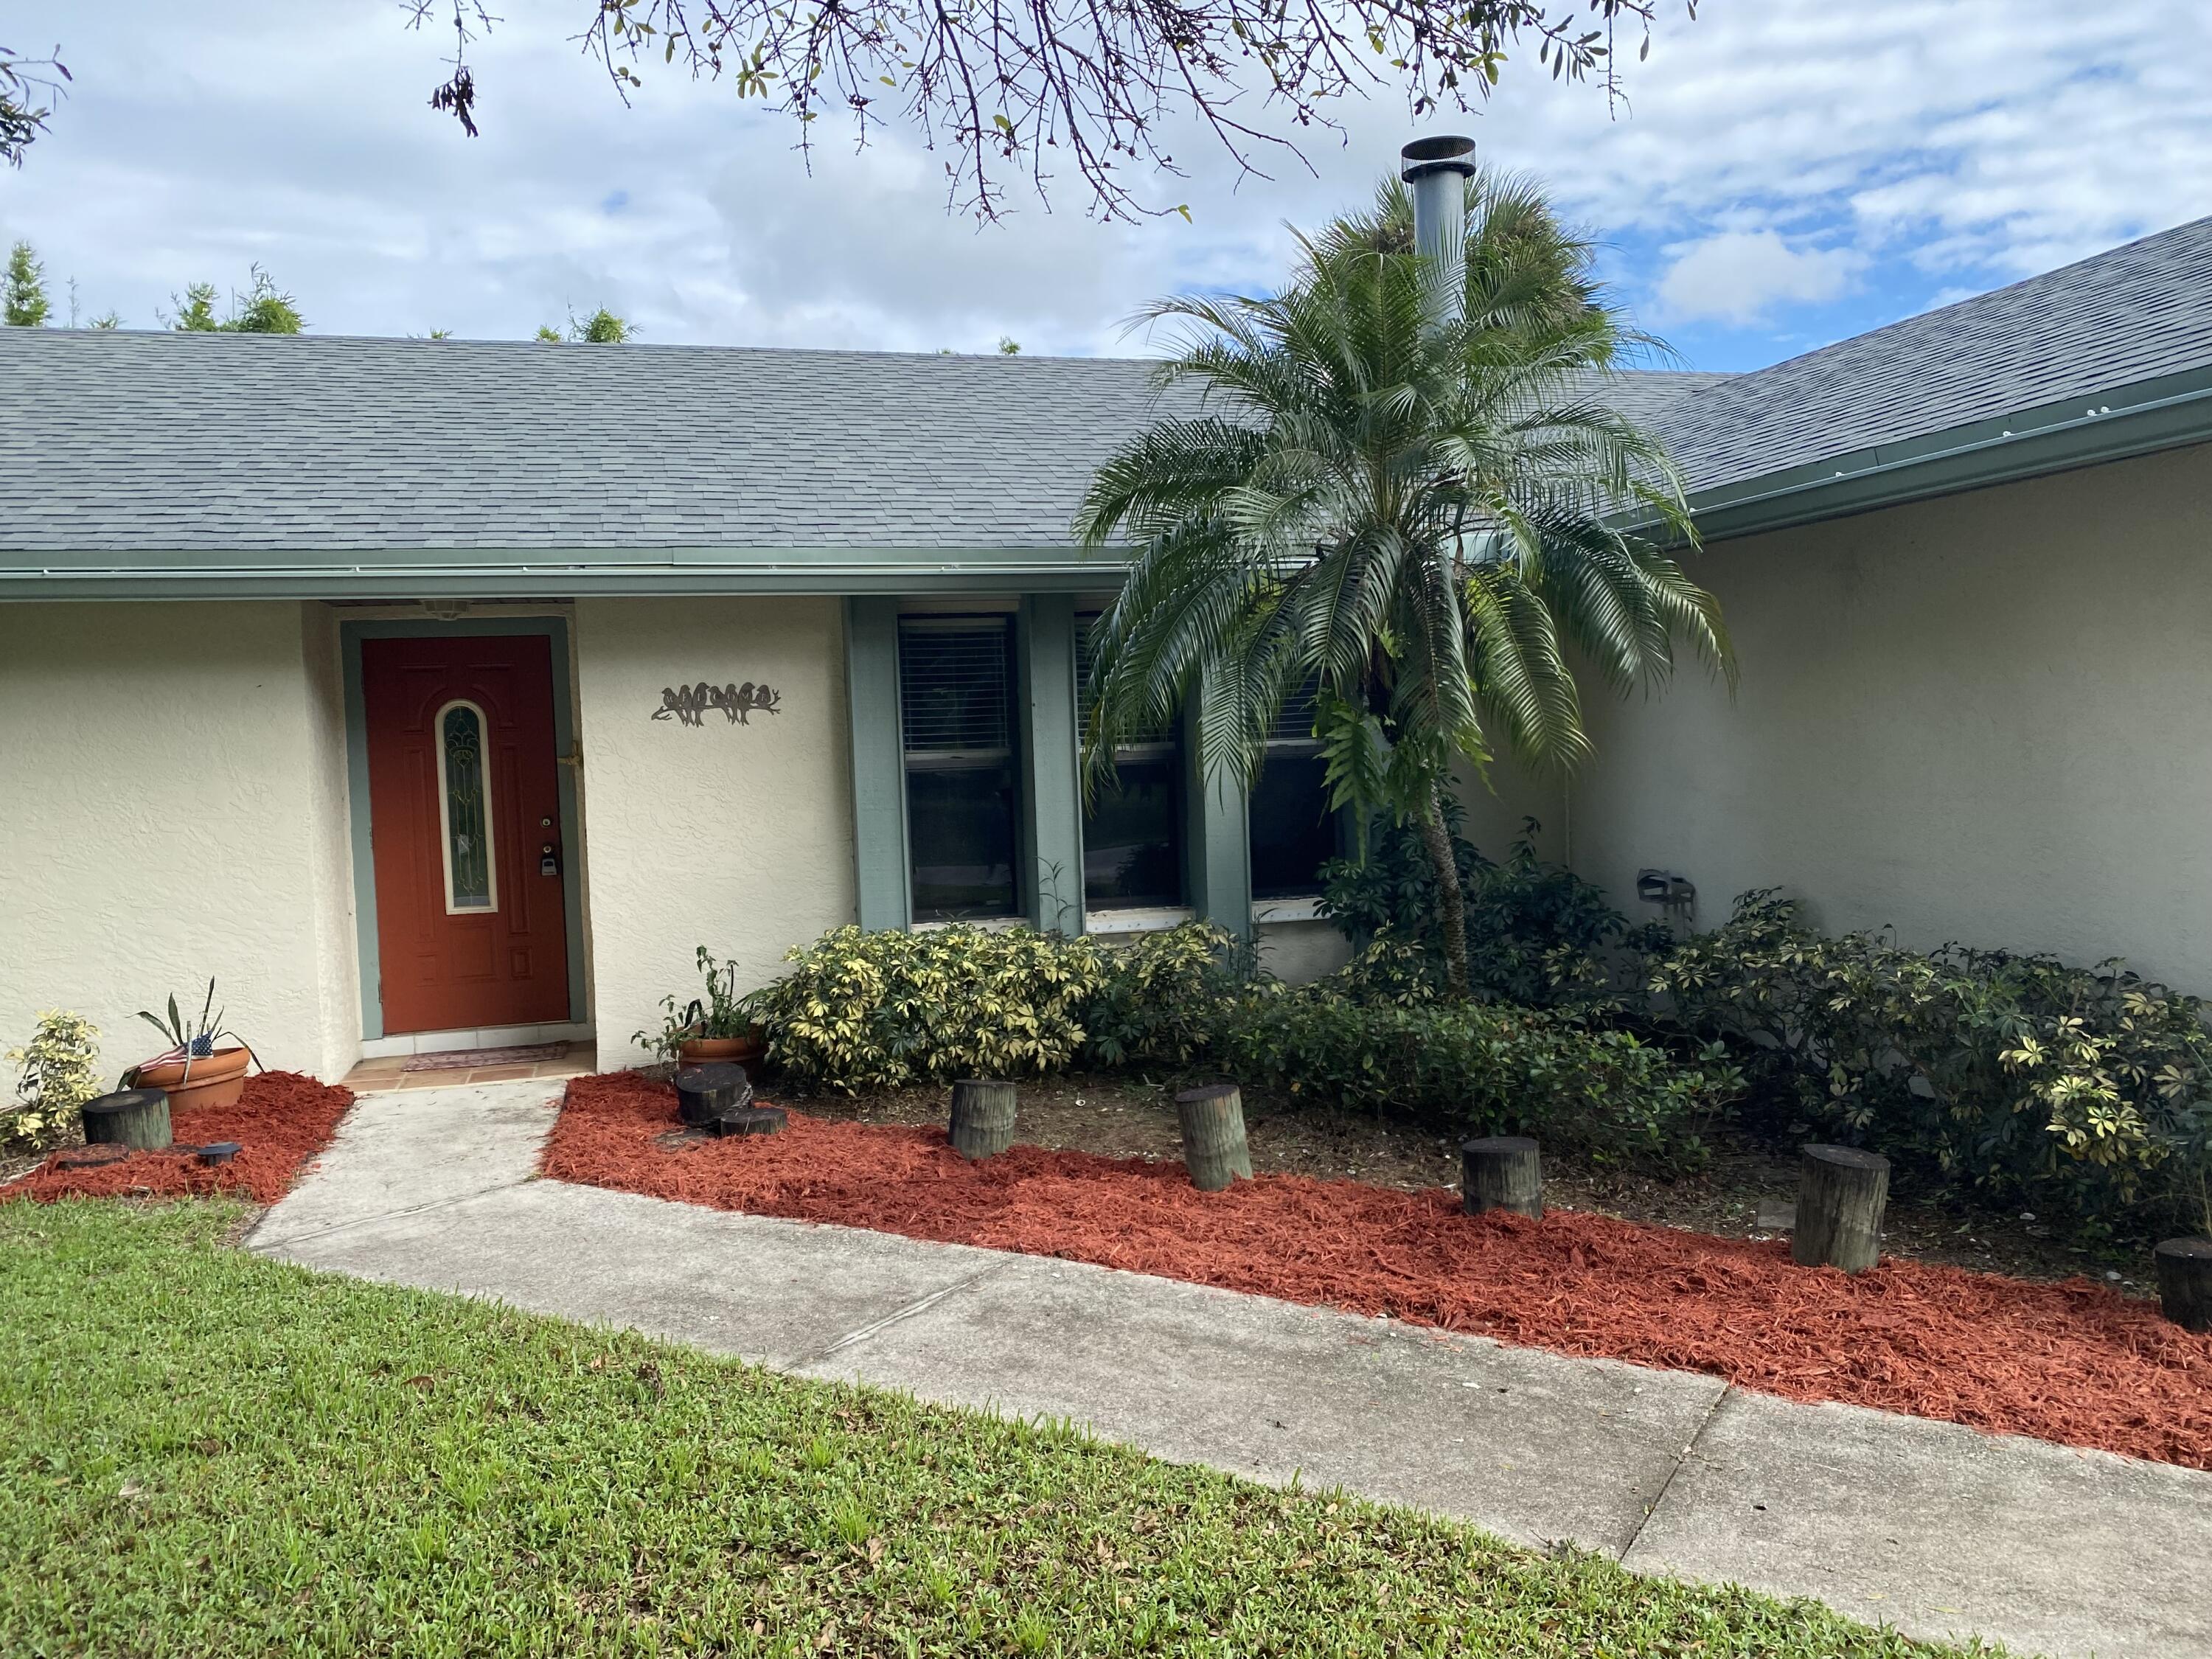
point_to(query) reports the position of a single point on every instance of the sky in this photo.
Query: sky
(1781, 173)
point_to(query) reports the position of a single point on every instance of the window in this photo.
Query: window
(1293, 832)
(463, 815)
(1132, 827)
(956, 723)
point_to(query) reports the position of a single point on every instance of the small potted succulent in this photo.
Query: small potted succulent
(205, 1064)
(719, 1026)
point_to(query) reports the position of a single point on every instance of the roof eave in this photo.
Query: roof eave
(2138, 418)
(552, 573)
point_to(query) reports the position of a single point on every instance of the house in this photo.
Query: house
(439, 694)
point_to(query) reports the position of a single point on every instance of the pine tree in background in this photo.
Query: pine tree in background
(602, 327)
(27, 305)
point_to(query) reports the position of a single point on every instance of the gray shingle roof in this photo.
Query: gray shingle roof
(237, 441)
(118, 441)
(2134, 313)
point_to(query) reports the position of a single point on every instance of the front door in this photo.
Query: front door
(463, 807)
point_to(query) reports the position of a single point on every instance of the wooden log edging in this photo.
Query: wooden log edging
(137, 1118)
(750, 1121)
(2185, 1282)
(982, 1122)
(1214, 1146)
(1502, 1172)
(716, 1089)
(1841, 1195)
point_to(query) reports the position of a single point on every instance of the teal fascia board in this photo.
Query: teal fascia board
(871, 703)
(350, 635)
(2140, 419)
(405, 574)
(1044, 640)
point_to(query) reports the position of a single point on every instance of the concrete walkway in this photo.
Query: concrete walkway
(1930, 1527)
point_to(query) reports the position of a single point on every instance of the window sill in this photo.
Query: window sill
(983, 924)
(1155, 919)
(1286, 910)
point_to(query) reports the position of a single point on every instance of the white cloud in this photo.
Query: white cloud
(1779, 152)
(1740, 275)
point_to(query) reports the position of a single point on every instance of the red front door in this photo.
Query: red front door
(462, 805)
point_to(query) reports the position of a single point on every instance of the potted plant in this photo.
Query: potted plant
(205, 1064)
(719, 1026)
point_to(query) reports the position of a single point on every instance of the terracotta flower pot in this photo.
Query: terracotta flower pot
(217, 1080)
(706, 1051)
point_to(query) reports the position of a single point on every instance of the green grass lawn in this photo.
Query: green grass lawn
(205, 1452)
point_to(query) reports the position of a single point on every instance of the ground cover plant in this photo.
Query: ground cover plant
(280, 1122)
(2073, 1362)
(210, 1453)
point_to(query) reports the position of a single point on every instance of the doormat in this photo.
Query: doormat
(464, 1060)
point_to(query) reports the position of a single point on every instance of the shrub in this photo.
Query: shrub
(1537, 934)
(2086, 1088)
(59, 1072)
(1479, 1069)
(876, 1009)
(1158, 995)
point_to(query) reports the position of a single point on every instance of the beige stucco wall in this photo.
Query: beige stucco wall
(158, 827)
(1986, 718)
(738, 837)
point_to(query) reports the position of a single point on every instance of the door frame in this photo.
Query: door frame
(556, 630)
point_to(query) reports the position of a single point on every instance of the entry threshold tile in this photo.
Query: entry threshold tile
(1943, 1531)
(1532, 1445)
(776, 1292)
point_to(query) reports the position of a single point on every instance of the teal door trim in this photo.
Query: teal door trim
(1044, 655)
(350, 635)
(872, 706)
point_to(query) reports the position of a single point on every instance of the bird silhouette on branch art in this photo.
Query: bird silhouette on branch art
(688, 704)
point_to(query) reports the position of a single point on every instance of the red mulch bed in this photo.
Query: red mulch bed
(2076, 1361)
(280, 1121)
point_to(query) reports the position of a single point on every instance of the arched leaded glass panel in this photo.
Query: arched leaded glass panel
(465, 807)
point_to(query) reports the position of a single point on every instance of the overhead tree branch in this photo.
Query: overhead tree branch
(1035, 88)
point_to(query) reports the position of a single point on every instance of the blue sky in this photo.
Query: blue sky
(1784, 174)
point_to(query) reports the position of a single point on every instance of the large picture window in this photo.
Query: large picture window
(956, 724)
(1293, 832)
(1133, 827)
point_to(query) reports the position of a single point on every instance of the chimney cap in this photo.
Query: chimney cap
(1444, 153)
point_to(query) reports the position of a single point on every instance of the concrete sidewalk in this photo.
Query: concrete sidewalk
(1932, 1528)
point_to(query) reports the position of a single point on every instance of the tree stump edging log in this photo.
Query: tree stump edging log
(982, 1120)
(137, 1118)
(716, 1089)
(2185, 1282)
(1502, 1172)
(750, 1121)
(1214, 1149)
(1841, 1195)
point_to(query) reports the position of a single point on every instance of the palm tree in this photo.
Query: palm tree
(1414, 503)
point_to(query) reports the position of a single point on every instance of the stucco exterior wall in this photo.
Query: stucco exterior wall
(329, 841)
(1986, 718)
(153, 763)
(735, 836)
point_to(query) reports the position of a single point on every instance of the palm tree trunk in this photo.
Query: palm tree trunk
(1452, 903)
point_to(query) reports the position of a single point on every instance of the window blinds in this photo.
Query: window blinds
(953, 686)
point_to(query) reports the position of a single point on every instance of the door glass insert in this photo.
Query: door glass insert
(464, 791)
